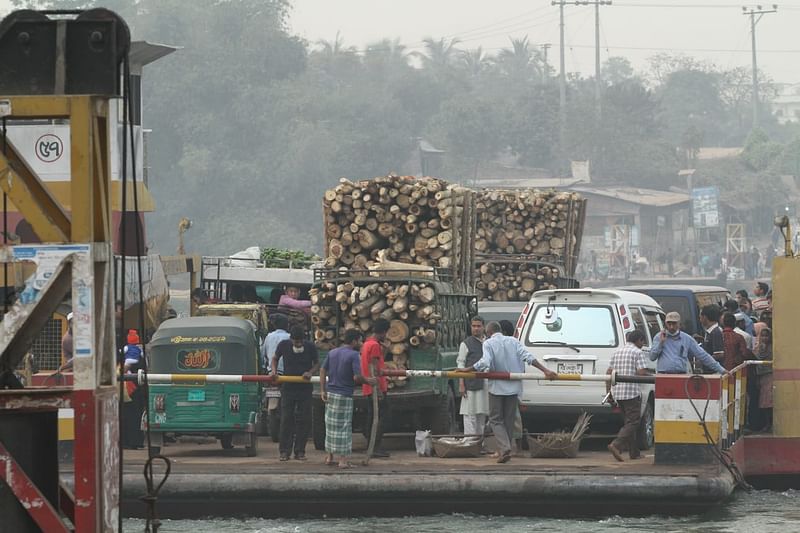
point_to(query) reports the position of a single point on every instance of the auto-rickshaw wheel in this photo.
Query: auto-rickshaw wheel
(251, 449)
(226, 440)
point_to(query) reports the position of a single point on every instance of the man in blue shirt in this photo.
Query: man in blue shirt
(672, 349)
(342, 369)
(281, 324)
(504, 354)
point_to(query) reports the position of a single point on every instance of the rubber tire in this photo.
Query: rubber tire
(251, 450)
(226, 441)
(647, 427)
(155, 450)
(443, 417)
(274, 423)
(318, 424)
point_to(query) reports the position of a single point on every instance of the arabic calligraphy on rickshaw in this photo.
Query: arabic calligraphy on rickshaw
(178, 339)
(197, 359)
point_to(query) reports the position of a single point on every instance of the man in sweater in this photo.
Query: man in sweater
(672, 349)
(474, 392)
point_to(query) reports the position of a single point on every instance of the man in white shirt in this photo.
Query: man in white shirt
(504, 354)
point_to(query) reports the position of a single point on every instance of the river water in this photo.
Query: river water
(758, 511)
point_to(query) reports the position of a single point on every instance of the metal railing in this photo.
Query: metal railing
(733, 402)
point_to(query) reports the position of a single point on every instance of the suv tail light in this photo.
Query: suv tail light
(233, 403)
(159, 403)
(521, 320)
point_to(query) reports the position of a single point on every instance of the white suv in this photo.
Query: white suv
(576, 331)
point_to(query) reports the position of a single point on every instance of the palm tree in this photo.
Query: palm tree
(335, 49)
(334, 57)
(389, 53)
(474, 62)
(439, 54)
(521, 62)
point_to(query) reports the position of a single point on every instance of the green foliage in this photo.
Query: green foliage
(277, 257)
(759, 152)
(252, 124)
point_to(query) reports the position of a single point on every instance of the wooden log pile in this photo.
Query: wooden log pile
(420, 221)
(513, 281)
(410, 308)
(515, 231)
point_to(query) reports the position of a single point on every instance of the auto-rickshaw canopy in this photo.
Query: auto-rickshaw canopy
(205, 344)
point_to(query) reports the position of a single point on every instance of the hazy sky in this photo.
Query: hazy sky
(712, 29)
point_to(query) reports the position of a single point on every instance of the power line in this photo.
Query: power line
(673, 49)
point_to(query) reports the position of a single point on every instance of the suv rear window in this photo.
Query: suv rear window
(575, 325)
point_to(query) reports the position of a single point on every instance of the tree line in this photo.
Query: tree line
(251, 123)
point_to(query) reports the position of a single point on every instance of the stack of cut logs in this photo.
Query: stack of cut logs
(502, 281)
(409, 308)
(517, 230)
(409, 220)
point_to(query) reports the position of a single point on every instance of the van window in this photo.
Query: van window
(639, 324)
(653, 324)
(712, 298)
(576, 325)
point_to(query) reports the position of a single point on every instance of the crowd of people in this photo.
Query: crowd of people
(738, 331)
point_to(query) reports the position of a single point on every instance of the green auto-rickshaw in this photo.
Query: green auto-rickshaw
(205, 345)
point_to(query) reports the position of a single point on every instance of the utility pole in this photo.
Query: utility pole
(752, 12)
(562, 78)
(597, 80)
(545, 47)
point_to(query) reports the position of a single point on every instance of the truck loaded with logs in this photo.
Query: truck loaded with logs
(417, 251)
(427, 315)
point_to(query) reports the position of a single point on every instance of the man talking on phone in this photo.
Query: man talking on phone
(672, 349)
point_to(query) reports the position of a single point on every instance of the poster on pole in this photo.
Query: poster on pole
(705, 207)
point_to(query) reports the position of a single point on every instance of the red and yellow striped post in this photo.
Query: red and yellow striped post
(688, 411)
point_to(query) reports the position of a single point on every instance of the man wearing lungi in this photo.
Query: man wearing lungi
(342, 369)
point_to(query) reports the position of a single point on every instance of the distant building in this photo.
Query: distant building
(786, 106)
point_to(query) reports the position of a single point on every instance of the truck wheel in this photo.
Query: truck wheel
(275, 424)
(647, 428)
(318, 425)
(251, 448)
(443, 418)
(226, 440)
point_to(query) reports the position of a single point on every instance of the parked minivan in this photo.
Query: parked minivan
(576, 331)
(686, 300)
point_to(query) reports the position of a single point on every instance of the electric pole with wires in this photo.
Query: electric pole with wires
(562, 77)
(752, 12)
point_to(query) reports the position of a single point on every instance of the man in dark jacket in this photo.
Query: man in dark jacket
(300, 358)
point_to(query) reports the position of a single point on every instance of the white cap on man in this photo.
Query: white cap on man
(673, 316)
(69, 317)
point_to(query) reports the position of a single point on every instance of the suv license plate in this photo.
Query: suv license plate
(570, 368)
